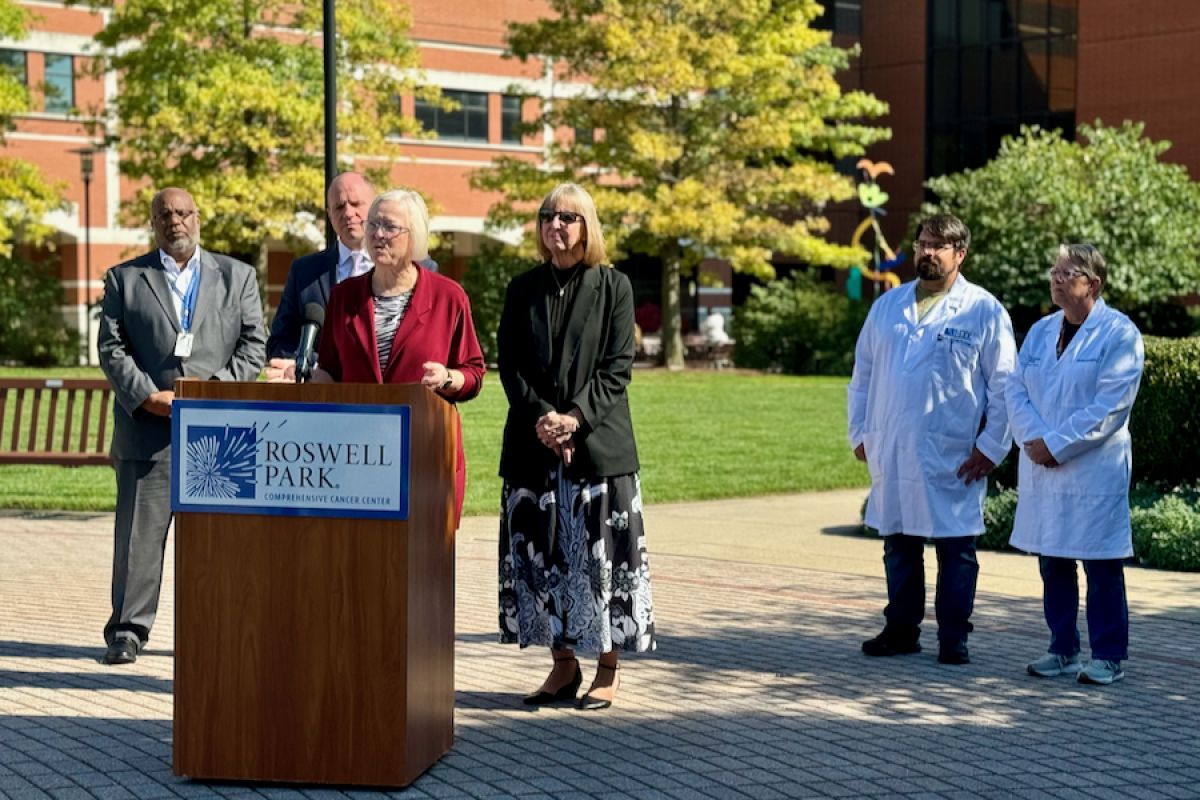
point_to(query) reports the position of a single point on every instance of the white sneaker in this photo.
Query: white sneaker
(1101, 672)
(1052, 665)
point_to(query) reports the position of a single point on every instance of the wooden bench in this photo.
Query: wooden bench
(61, 422)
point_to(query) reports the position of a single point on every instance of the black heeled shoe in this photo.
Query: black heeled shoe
(590, 703)
(565, 692)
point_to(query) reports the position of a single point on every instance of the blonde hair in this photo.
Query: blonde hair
(418, 219)
(573, 197)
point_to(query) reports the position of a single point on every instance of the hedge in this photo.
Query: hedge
(1165, 422)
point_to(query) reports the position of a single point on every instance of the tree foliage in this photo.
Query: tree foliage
(1111, 188)
(716, 125)
(486, 281)
(27, 195)
(225, 99)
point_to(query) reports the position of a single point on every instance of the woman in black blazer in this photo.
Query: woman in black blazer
(573, 568)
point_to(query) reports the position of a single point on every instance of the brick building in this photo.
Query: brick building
(958, 74)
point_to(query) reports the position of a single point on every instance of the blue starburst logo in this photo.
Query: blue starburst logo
(221, 461)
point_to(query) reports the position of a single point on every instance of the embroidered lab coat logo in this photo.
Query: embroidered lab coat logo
(957, 335)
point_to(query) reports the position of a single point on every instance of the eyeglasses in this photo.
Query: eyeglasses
(169, 215)
(1064, 275)
(930, 247)
(565, 217)
(389, 230)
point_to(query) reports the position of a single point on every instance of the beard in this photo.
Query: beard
(930, 269)
(180, 246)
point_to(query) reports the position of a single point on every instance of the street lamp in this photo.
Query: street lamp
(329, 62)
(86, 168)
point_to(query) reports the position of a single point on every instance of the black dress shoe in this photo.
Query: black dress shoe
(890, 644)
(953, 653)
(589, 702)
(565, 692)
(122, 651)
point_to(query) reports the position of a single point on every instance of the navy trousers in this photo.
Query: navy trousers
(1107, 607)
(958, 572)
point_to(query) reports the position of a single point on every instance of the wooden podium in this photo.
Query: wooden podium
(315, 649)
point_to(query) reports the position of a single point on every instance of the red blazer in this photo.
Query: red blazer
(437, 326)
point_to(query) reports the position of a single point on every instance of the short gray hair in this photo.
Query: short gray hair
(1087, 259)
(418, 219)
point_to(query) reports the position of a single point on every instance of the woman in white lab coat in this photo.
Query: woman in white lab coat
(1069, 404)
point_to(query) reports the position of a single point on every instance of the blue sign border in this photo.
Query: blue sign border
(403, 411)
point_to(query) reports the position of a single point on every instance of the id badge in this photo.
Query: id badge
(183, 345)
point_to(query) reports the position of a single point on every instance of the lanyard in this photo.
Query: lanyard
(188, 306)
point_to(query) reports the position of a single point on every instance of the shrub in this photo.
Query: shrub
(1111, 187)
(1166, 534)
(1164, 424)
(31, 328)
(999, 512)
(485, 282)
(798, 326)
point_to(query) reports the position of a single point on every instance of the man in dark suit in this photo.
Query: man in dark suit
(312, 277)
(175, 312)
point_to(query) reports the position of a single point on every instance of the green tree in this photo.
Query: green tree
(28, 195)
(716, 125)
(1111, 188)
(225, 99)
(486, 281)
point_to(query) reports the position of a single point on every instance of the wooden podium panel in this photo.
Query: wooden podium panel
(313, 649)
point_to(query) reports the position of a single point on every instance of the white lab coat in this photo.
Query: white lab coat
(1079, 405)
(921, 391)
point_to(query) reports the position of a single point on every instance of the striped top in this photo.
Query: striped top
(389, 311)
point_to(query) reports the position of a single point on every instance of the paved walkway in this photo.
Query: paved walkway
(758, 689)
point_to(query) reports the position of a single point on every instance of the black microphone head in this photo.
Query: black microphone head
(315, 313)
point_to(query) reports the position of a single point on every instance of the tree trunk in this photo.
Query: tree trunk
(672, 338)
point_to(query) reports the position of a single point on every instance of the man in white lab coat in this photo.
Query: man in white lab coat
(927, 414)
(1069, 402)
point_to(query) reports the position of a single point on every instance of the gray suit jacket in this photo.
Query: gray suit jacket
(138, 328)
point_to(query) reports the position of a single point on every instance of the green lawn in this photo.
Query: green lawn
(701, 434)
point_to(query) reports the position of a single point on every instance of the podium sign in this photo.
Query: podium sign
(314, 582)
(290, 459)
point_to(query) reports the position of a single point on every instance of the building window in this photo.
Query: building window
(60, 83)
(993, 66)
(468, 122)
(13, 62)
(842, 18)
(510, 119)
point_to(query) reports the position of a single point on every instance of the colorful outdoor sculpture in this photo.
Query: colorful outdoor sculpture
(884, 259)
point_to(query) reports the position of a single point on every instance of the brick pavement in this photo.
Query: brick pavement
(758, 690)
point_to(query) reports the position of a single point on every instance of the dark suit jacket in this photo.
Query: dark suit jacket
(437, 326)
(138, 328)
(595, 369)
(310, 280)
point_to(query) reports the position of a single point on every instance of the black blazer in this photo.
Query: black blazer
(310, 280)
(595, 368)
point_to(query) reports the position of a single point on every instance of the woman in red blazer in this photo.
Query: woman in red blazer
(401, 323)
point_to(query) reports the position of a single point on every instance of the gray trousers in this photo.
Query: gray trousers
(139, 542)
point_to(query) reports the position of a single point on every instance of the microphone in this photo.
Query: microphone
(306, 357)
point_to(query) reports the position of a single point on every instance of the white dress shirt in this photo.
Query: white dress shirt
(180, 278)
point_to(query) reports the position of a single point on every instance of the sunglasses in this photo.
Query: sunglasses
(565, 217)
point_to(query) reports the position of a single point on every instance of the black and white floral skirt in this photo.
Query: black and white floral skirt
(573, 568)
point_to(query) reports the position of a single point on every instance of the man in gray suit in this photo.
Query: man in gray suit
(175, 312)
